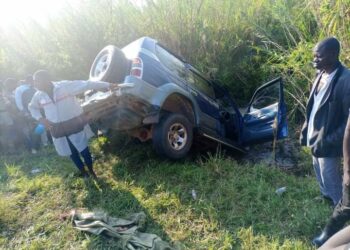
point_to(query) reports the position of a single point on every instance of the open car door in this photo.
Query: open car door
(266, 115)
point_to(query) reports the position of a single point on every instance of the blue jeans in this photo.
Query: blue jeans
(75, 156)
(329, 177)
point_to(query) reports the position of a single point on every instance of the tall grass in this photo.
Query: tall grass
(244, 42)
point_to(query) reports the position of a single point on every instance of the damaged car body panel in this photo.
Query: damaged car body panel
(163, 98)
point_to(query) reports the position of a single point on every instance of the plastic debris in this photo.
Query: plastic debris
(35, 171)
(194, 194)
(281, 190)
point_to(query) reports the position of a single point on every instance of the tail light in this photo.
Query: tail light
(136, 67)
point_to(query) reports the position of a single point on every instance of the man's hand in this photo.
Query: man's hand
(46, 123)
(113, 86)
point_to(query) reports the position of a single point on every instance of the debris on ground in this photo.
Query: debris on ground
(194, 194)
(281, 190)
(35, 171)
(126, 231)
(283, 155)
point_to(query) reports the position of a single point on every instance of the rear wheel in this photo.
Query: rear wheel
(173, 136)
(110, 65)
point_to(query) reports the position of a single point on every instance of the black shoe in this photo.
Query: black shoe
(321, 239)
(340, 216)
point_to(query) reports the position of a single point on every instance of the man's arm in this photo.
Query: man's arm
(34, 109)
(336, 138)
(79, 87)
(18, 93)
(346, 153)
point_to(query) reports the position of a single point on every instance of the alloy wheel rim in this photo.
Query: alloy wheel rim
(102, 65)
(177, 136)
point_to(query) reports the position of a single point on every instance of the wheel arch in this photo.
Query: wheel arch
(178, 103)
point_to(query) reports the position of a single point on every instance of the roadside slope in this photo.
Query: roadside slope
(235, 206)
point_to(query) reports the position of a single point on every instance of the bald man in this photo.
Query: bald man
(326, 116)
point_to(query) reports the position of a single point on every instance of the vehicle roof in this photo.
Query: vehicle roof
(144, 42)
(150, 44)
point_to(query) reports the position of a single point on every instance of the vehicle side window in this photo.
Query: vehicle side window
(267, 97)
(201, 84)
(171, 62)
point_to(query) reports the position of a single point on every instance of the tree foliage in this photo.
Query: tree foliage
(244, 42)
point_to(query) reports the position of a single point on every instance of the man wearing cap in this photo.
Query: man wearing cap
(58, 100)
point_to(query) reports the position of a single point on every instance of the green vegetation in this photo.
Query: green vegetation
(244, 42)
(236, 205)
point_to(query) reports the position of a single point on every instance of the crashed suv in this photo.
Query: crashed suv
(162, 98)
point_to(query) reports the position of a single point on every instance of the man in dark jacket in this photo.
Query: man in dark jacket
(326, 116)
(341, 213)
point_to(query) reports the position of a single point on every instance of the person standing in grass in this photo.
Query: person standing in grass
(14, 135)
(341, 213)
(7, 132)
(326, 116)
(23, 94)
(58, 100)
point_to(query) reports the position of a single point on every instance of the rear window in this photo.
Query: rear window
(171, 62)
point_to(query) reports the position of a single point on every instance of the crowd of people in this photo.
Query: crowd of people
(37, 100)
(16, 123)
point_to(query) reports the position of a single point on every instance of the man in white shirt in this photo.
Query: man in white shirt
(58, 100)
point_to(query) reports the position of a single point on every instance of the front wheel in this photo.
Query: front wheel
(173, 136)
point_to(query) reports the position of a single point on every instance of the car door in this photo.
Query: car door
(266, 116)
(204, 93)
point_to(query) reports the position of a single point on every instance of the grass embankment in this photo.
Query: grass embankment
(236, 205)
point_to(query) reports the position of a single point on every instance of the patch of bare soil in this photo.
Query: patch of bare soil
(284, 154)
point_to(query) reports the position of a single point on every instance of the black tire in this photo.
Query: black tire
(110, 65)
(164, 132)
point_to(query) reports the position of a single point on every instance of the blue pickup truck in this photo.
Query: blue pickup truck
(160, 97)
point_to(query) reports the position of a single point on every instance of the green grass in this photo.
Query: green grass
(236, 205)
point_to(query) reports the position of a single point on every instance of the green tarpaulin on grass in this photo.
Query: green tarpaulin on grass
(124, 230)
